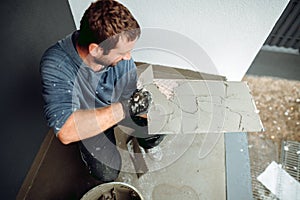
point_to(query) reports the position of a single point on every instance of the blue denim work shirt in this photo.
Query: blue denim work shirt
(68, 84)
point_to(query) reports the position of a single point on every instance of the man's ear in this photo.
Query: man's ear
(95, 50)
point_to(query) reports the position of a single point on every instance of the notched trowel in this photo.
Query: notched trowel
(136, 156)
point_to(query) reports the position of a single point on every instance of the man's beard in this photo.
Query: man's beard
(105, 63)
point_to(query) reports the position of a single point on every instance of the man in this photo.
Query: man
(89, 86)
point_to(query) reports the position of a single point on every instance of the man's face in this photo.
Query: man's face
(122, 51)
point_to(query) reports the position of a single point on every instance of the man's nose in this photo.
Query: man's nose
(127, 56)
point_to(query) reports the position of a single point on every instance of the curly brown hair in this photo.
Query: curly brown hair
(104, 22)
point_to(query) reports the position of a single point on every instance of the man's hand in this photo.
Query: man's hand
(138, 104)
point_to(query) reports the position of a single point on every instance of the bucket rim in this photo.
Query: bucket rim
(88, 193)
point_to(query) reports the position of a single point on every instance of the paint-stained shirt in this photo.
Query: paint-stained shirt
(68, 84)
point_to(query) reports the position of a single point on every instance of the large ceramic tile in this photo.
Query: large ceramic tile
(182, 106)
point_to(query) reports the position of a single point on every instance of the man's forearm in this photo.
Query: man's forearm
(84, 124)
